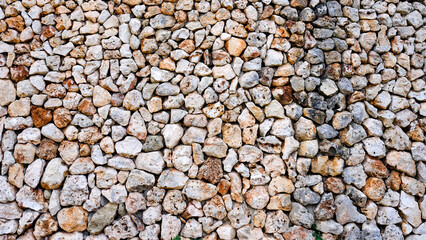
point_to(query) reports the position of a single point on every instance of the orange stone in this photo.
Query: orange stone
(187, 45)
(18, 73)
(40, 116)
(17, 23)
(61, 117)
(374, 188)
(394, 181)
(235, 46)
(86, 107)
(375, 168)
(73, 219)
(223, 186)
(168, 64)
(47, 33)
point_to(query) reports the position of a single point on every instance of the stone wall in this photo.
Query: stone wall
(212, 119)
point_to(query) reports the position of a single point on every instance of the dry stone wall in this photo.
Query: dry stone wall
(212, 119)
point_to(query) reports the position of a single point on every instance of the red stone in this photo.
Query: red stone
(40, 116)
(47, 33)
(19, 73)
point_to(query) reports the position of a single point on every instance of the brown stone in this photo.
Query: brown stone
(84, 150)
(47, 33)
(86, 107)
(280, 202)
(416, 133)
(375, 168)
(47, 150)
(19, 73)
(24, 59)
(267, 12)
(249, 134)
(62, 23)
(257, 197)
(70, 85)
(73, 219)
(235, 46)
(220, 57)
(232, 135)
(335, 185)
(10, 36)
(211, 170)
(283, 33)
(356, 97)
(194, 209)
(79, 52)
(223, 186)
(24, 153)
(61, 117)
(3, 26)
(17, 23)
(168, 64)
(187, 45)
(294, 54)
(333, 71)
(401, 161)
(167, 8)
(394, 181)
(116, 99)
(281, 44)
(374, 188)
(122, 9)
(327, 167)
(315, 115)
(284, 94)
(297, 39)
(40, 116)
(299, 3)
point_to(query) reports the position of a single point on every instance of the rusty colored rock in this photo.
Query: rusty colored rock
(73, 219)
(374, 188)
(47, 149)
(211, 170)
(223, 186)
(47, 33)
(16, 23)
(235, 46)
(335, 185)
(19, 73)
(86, 107)
(40, 116)
(283, 94)
(61, 117)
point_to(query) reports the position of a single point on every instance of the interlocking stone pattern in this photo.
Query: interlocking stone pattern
(212, 119)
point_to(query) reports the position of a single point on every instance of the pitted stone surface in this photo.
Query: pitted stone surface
(212, 119)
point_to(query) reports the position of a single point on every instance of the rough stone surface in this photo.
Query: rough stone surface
(212, 119)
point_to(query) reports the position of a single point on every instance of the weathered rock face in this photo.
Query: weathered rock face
(72, 219)
(213, 119)
(102, 218)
